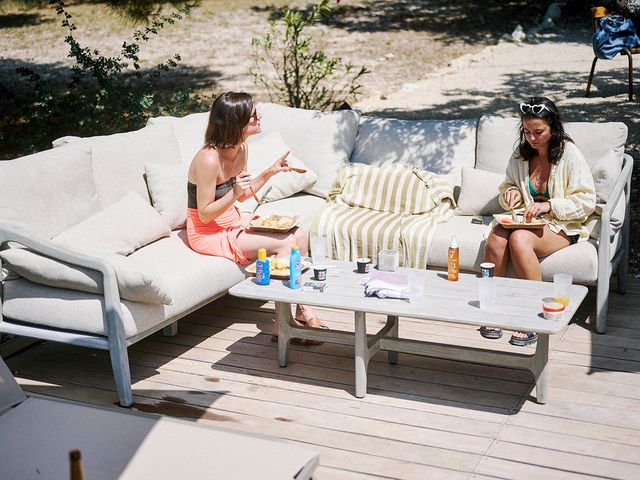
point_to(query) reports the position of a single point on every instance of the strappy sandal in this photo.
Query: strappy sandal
(491, 333)
(316, 323)
(530, 339)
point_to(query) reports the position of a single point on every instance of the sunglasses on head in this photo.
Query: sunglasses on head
(537, 109)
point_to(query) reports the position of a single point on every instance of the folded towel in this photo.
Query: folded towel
(387, 285)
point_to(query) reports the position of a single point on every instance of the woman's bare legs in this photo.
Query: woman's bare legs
(526, 247)
(497, 250)
(279, 244)
(523, 248)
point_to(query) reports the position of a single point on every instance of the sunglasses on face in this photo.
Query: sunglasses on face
(525, 108)
(254, 116)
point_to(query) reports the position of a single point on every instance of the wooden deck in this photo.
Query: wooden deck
(423, 419)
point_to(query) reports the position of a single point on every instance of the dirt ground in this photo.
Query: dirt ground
(399, 41)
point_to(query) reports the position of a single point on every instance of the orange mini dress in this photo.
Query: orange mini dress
(220, 236)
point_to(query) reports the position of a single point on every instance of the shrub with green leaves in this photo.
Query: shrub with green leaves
(104, 94)
(294, 72)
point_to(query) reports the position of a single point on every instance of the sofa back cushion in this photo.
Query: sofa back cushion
(602, 145)
(168, 190)
(118, 160)
(189, 132)
(497, 138)
(263, 152)
(434, 145)
(46, 193)
(479, 192)
(321, 140)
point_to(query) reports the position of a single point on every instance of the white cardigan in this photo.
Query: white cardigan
(571, 190)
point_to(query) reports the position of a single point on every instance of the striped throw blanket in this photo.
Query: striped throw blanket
(387, 207)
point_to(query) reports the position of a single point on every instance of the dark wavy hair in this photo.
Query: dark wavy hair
(551, 117)
(229, 114)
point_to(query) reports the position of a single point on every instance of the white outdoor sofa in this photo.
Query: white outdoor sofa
(104, 269)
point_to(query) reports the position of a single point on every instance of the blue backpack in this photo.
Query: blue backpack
(614, 34)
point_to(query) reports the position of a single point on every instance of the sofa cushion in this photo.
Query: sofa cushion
(167, 186)
(38, 304)
(121, 228)
(433, 145)
(471, 238)
(263, 152)
(135, 282)
(118, 160)
(390, 188)
(495, 142)
(479, 192)
(498, 136)
(189, 131)
(48, 192)
(192, 279)
(322, 140)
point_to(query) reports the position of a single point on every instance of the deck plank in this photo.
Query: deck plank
(423, 418)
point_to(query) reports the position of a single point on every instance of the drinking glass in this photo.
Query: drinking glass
(318, 246)
(487, 292)
(417, 286)
(562, 287)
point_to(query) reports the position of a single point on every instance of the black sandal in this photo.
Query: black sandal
(491, 333)
(530, 339)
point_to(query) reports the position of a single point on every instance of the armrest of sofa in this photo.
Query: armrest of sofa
(113, 317)
(622, 186)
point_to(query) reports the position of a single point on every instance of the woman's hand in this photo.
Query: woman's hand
(281, 165)
(512, 196)
(536, 209)
(243, 183)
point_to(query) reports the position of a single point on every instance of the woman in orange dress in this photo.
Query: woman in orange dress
(218, 177)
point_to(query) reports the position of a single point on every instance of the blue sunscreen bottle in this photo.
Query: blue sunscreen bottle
(263, 271)
(295, 268)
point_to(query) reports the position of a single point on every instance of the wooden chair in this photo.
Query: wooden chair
(596, 14)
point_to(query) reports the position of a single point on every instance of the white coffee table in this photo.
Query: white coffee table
(518, 307)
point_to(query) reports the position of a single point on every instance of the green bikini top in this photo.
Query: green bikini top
(534, 193)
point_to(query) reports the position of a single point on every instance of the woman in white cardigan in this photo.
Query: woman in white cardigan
(547, 176)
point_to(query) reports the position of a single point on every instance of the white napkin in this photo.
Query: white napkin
(387, 285)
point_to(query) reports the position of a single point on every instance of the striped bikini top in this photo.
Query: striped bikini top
(221, 190)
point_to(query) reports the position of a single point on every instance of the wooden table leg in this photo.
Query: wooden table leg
(284, 320)
(392, 356)
(361, 354)
(539, 367)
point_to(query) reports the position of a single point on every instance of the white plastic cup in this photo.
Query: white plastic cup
(487, 292)
(417, 287)
(318, 246)
(562, 288)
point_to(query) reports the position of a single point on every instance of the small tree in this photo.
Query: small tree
(104, 94)
(294, 72)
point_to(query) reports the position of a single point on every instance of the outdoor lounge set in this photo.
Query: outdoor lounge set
(107, 262)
